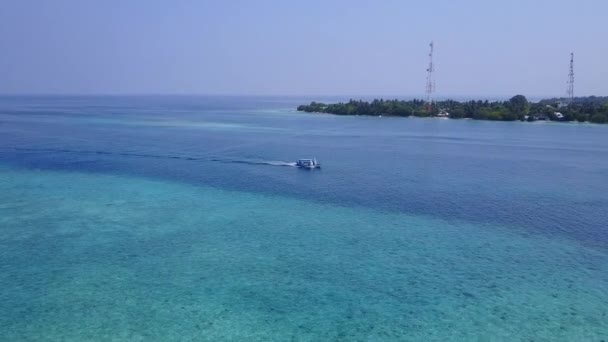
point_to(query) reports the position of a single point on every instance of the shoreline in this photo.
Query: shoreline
(536, 122)
(591, 109)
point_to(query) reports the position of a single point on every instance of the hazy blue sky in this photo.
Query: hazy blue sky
(344, 47)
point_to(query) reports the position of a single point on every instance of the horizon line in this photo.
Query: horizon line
(386, 96)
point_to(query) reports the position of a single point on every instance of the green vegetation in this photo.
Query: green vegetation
(592, 109)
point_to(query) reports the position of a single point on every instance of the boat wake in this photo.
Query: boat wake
(256, 162)
(149, 155)
(93, 152)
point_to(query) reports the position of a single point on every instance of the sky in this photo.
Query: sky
(297, 47)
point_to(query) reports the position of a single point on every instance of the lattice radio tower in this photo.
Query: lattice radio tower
(430, 81)
(570, 90)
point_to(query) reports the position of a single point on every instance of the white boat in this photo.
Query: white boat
(308, 163)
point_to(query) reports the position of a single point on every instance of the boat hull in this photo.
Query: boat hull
(308, 163)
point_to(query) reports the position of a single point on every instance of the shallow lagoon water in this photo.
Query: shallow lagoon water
(133, 232)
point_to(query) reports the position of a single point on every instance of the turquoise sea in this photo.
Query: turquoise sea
(182, 218)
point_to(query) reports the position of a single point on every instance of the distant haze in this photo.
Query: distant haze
(346, 47)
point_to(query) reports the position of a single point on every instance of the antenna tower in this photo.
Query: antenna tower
(430, 82)
(570, 90)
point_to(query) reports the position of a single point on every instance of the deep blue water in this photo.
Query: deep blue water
(416, 229)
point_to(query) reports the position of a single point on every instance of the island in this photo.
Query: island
(582, 109)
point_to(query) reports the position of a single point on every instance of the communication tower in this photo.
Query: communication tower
(570, 90)
(430, 81)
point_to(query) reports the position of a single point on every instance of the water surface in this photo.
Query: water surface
(172, 218)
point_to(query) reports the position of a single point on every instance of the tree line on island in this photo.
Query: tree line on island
(582, 109)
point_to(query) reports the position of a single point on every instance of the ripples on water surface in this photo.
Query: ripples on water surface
(171, 218)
